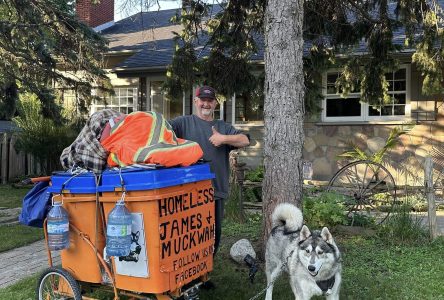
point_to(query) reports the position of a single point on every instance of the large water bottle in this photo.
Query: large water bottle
(57, 226)
(118, 231)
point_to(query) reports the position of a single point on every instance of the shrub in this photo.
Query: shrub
(360, 220)
(40, 136)
(326, 209)
(256, 175)
(252, 194)
(403, 227)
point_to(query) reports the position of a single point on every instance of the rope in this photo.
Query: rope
(97, 178)
(76, 171)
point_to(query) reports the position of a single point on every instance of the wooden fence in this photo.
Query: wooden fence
(15, 164)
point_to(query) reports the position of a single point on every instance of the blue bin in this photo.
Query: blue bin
(140, 179)
(66, 182)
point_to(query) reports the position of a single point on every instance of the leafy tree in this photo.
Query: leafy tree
(40, 136)
(230, 35)
(39, 40)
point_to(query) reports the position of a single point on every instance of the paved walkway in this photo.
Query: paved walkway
(25, 261)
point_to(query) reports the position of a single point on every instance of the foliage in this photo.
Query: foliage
(40, 136)
(252, 194)
(415, 200)
(255, 175)
(326, 209)
(230, 35)
(403, 227)
(361, 220)
(38, 40)
(355, 153)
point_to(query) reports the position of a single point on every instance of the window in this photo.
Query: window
(336, 108)
(249, 107)
(69, 98)
(170, 108)
(125, 100)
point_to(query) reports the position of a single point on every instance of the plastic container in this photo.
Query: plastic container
(118, 231)
(78, 194)
(58, 227)
(173, 226)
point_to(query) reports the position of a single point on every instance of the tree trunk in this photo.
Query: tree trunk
(283, 107)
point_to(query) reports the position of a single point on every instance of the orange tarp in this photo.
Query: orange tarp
(147, 137)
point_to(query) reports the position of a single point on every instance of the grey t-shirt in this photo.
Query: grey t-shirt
(195, 129)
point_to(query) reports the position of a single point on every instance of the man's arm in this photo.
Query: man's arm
(236, 140)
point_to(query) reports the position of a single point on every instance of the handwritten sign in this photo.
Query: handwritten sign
(186, 234)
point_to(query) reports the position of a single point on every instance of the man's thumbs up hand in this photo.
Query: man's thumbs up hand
(216, 139)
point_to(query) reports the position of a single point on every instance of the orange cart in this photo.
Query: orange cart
(172, 234)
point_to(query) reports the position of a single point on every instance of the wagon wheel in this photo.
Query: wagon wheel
(368, 189)
(57, 283)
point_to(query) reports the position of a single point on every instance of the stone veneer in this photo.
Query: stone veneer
(323, 144)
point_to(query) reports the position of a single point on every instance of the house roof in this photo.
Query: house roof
(150, 35)
(141, 31)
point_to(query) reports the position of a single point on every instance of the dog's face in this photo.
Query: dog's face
(316, 250)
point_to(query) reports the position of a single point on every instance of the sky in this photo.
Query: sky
(126, 8)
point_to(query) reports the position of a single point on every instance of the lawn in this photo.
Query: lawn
(13, 236)
(372, 270)
(11, 197)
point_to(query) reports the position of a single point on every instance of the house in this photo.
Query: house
(141, 47)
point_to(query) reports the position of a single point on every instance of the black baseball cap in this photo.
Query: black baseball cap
(206, 91)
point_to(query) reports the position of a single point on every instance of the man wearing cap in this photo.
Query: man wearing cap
(217, 139)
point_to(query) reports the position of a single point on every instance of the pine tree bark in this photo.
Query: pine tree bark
(283, 107)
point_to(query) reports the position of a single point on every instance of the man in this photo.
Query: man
(217, 139)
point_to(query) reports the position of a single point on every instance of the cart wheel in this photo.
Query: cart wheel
(368, 190)
(57, 283)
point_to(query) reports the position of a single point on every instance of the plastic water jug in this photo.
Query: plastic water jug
(118, 231)
(58, 227)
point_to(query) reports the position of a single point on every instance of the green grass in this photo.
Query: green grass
(23, 290)
(13, 236)
(372, 269)
(11, 197)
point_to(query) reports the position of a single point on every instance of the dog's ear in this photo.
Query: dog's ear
(305, 233)
(326, 235)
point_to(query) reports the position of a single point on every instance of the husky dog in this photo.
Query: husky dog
(315, 266)
(284, 238)
(312, 259)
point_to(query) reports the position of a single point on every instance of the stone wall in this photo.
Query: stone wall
(323, 144)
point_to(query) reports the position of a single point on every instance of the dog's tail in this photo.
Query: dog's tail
(287, 215)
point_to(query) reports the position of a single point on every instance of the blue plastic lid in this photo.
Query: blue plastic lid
(137, 179)
(84, 183)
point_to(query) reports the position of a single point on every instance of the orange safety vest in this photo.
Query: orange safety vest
(147, 137)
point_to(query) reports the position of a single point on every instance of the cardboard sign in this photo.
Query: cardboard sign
(186, 234)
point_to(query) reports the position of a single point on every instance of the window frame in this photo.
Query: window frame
(365, 117)
(96, 107)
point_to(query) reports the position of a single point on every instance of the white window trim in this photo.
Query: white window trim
(364, 106)
(95, 107)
